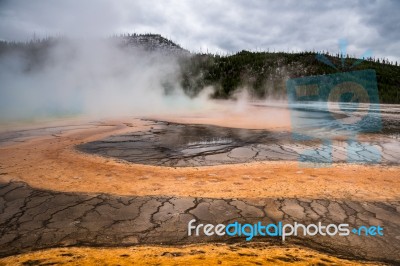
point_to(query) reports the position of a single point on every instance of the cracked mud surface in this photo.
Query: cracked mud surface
(37, 219)
(169, 144)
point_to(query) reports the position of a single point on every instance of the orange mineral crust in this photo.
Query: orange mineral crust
(49, 160)
(201, 254)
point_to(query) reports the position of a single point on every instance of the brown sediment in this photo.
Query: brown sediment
(52, 162)
(202, 254)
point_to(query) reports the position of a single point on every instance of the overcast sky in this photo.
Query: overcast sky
(219, 26)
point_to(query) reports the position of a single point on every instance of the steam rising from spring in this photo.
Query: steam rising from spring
(90, 77)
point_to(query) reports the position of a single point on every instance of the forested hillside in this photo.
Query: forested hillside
(263, 74)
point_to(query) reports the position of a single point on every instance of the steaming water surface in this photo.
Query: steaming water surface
(314, 138)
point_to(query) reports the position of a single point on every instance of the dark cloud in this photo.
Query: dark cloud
(219, 26)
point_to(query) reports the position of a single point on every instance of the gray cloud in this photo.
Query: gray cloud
(219, 26)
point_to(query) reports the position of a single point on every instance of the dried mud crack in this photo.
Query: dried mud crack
(36, 219)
